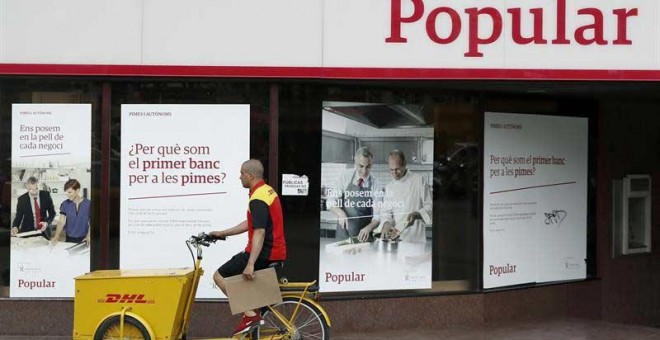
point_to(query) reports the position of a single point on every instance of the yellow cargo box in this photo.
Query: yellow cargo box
(155, 298)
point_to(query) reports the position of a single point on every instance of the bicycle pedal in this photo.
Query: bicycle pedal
(248, 334)
(244, 336)
(256, 325)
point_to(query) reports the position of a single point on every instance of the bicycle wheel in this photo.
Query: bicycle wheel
(133, 329)
(308, 324)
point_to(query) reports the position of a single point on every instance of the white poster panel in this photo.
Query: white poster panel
(51, 145)
(363, 194)
(180, 169)
(535, 198)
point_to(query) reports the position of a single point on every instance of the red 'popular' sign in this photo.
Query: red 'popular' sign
(588, 34)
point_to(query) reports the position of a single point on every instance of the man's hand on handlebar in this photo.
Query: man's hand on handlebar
(217, 235)
(205, 239)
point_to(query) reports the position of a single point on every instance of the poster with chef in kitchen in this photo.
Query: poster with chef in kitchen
(376, 203)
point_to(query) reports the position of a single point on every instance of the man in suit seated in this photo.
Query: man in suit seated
(34, 209)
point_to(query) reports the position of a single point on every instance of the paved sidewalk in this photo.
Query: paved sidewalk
(560, 329)
(572, 329)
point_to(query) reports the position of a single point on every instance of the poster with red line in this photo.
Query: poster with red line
(180, 167)
(535, 198)
(51, 198)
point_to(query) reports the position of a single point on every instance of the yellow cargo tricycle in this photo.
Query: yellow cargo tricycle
(156, 304)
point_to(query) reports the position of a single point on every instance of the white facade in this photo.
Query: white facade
(334, 38)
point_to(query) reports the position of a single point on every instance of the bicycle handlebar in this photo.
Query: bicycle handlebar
(201, 239)
(204, 239)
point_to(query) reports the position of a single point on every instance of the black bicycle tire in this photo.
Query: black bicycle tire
(255, 334)
(115, 320)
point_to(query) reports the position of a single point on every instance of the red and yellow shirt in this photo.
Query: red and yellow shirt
(265, 211)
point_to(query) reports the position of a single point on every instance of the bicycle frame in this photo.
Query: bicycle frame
(297, 290)
(191, 296)
(288, 290)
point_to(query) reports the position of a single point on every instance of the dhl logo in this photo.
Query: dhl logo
(125, 298)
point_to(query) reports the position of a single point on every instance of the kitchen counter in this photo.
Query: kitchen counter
(375, 248)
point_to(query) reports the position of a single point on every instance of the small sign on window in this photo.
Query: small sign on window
(294, 185)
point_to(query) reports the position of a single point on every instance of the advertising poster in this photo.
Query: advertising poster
(535, 198)
(51, 149)
(376, 201)
(180, 169)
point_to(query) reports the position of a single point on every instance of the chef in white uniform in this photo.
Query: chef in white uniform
(407, 203)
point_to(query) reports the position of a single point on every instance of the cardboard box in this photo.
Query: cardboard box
(261, 291)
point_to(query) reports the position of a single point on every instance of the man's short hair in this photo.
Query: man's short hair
(364, 152)
(32, 180)
(398, 154)
(254, 167)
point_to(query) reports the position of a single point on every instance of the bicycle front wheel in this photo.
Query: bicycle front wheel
(110, 329)
(308, 323)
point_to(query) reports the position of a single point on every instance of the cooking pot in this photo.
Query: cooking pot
(385, 244)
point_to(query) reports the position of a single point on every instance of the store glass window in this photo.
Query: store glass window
(186, 92)
(322, 127)
(50, 142)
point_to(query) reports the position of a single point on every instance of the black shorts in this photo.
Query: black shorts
(236, 265)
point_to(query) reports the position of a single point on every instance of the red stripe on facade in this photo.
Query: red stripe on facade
(326, 72)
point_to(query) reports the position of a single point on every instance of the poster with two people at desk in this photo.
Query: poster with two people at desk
(49, 198)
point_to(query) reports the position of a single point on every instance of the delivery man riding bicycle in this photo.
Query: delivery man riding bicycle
(265, 228)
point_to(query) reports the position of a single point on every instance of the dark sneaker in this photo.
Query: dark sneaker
(248, 323)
